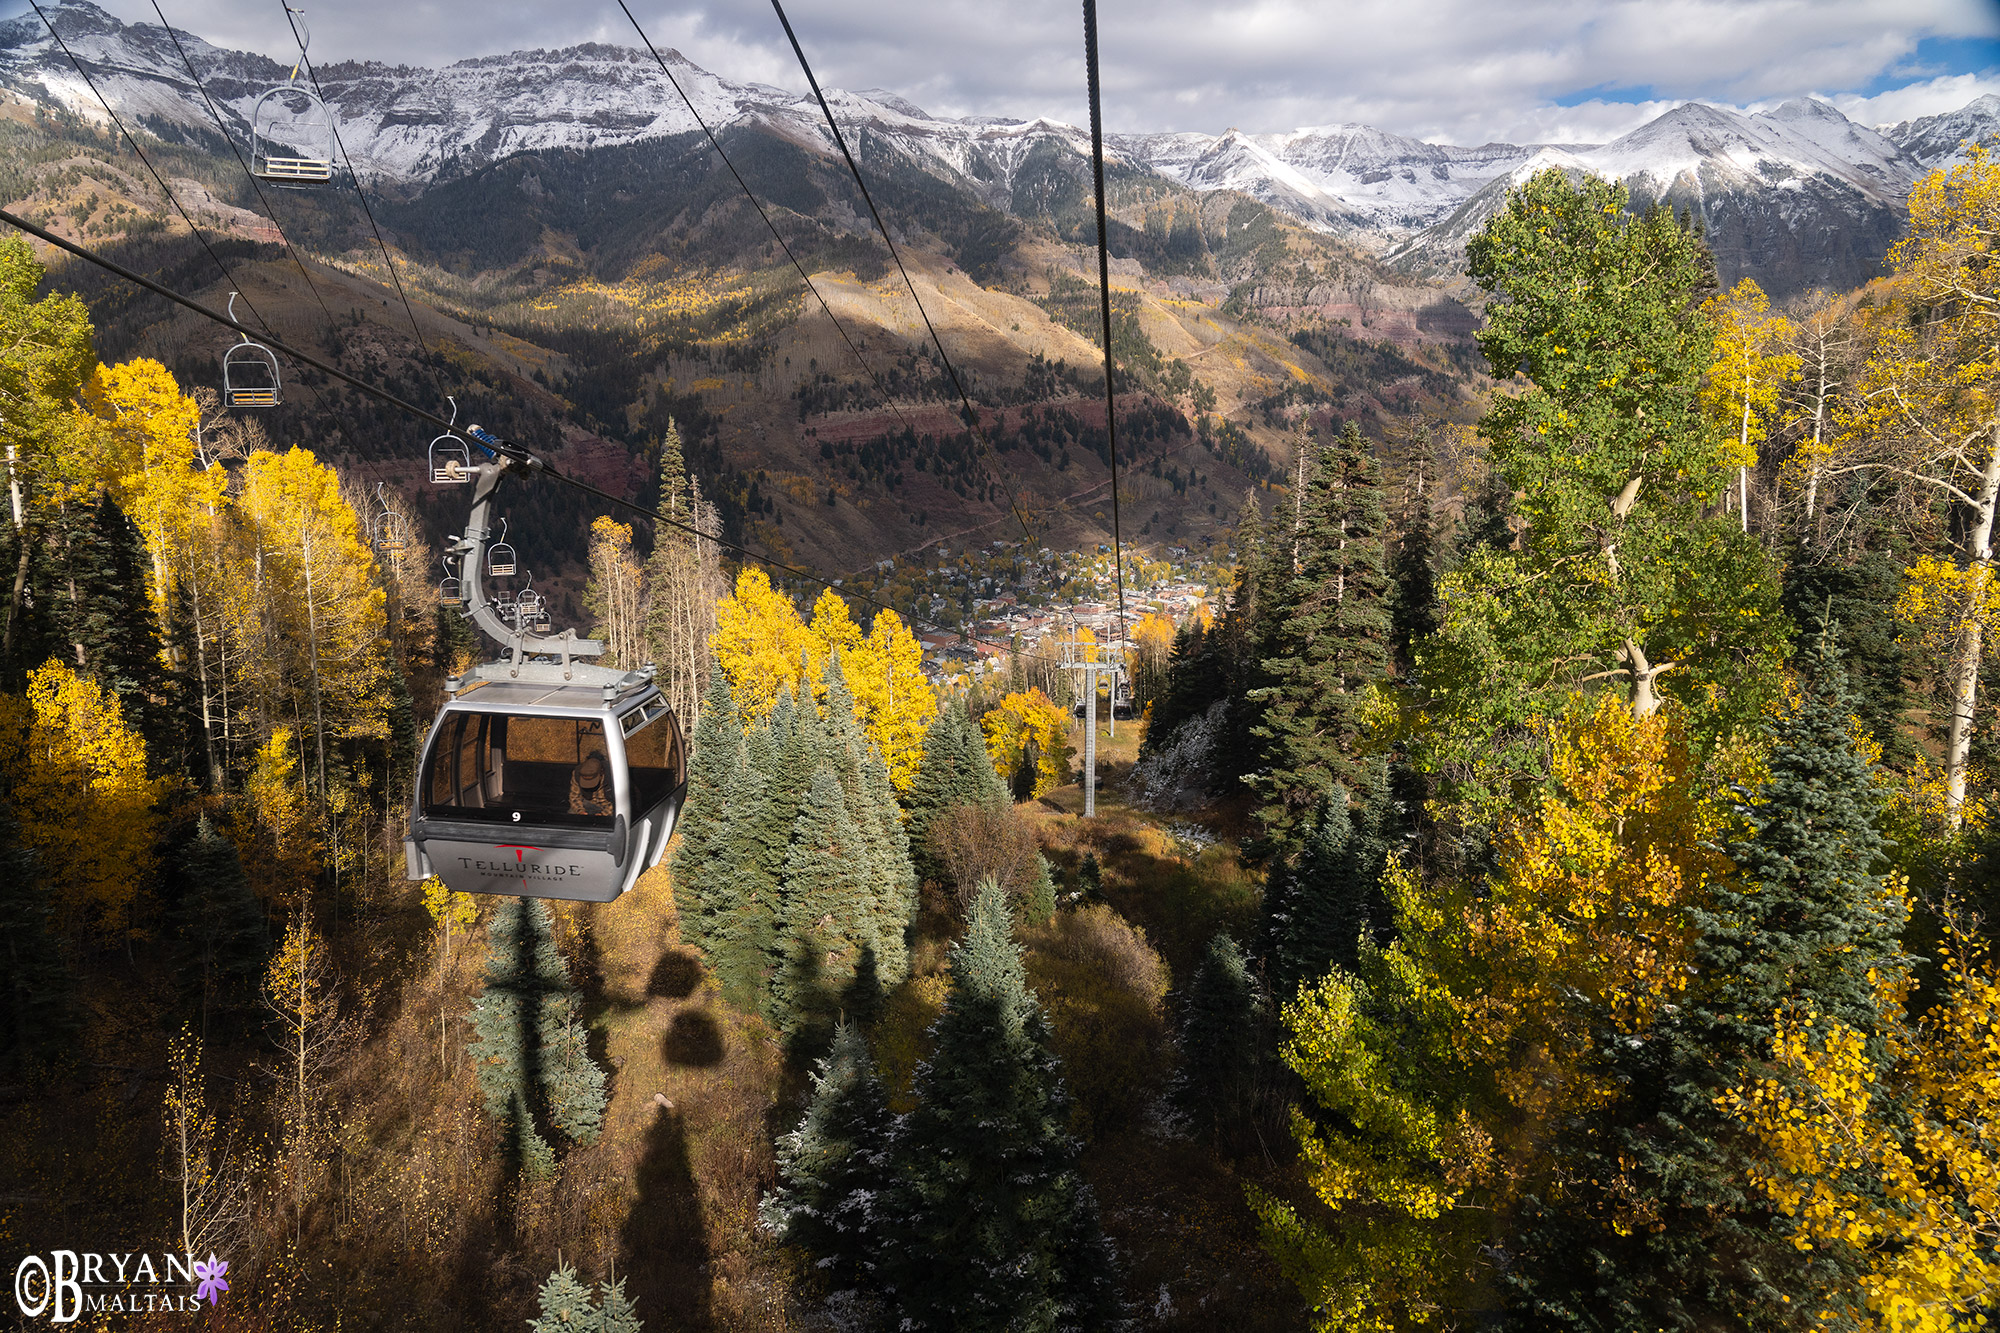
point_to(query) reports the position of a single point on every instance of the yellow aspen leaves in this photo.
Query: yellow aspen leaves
(1027, 724)
(82, 795)
(762, 646)
(1740, 393)
(759, 643)
(1892, 1153)
(615, 593)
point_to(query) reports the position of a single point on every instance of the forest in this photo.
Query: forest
(1553, 889)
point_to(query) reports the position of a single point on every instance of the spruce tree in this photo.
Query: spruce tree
(615, 1311)
(1858, 593)
(704, 819)
(954, 771)
(989, 1224)
(826, 911)
(220, 923)
(37, 1013)
(1197, 676)
(1041, 904)
(1803, 926)
(530, 1046)
(1222, 1040)
(834, 1166)
(109, 617)
(566, 1305)
(742, 925)
(1413, 565)
(1328, 636)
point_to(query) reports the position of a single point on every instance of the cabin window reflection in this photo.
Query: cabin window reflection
(653, 753)
(520, 769)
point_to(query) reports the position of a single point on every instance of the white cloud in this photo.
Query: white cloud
(1947, 93)
(1465, 71)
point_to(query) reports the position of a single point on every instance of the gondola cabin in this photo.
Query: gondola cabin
(539, 786)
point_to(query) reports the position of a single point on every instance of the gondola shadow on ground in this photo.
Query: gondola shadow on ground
(688, 1126)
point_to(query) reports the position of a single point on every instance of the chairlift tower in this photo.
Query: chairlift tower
(1092, 662)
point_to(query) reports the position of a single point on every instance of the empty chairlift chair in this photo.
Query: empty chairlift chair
(250, 375)
(391, 532)
(448, 589)
(291, 130)
(500, 561)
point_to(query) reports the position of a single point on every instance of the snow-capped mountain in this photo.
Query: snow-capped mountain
(1800, 192)
(1939, 141)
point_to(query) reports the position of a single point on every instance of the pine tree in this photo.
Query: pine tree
(566, 1305)
(1222, 1039)
(1041, 904)
(699, 856)
(990, 1225)
(835, 1165)
(1329, 632)
(742, 925)
(615, 1312)
(954, 771)
(1659, 1224)
(530, 1047)
(219, 921)
(1859, 595)
(826, 910)
(1413, 567)
(37, 1017)
(1328, 898)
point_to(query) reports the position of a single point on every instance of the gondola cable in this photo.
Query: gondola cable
(492, 444)
(1104, 294)
(90, 83)
(230, 139)
(972, 421)
(160, 181)
(362, 195)
(880, 388)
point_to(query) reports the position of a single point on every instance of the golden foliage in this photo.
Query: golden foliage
(1449, 1068)
(1892, 1154)
(1741, 390)
(763, 647)
(1024, 721)
(82, 795)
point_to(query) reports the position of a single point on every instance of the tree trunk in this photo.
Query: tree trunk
(1743, 470)
(1971, 634)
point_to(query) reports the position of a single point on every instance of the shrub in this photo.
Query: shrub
(1103, 987)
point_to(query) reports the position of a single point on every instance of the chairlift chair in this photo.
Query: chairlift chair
(250, 375)
(500, 560)
(451, 460)
(391, 532)
(448, 587)
(291, 130)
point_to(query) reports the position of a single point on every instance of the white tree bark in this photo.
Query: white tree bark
(1971, 635)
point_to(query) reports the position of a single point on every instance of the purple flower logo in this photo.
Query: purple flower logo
(212, 1286)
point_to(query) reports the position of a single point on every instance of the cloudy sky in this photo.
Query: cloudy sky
(1462, 71)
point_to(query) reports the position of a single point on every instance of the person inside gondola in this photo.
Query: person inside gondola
(590, 786)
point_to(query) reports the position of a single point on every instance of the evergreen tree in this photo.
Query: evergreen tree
(566, 1305)
(615, 1312)
(1328, 898)
(37, 1017)
(1659, 1224)
(827, 911)
(1859, 595)
(954, 771)
(989, 1224)
(833, 1167)
(114, 618)
(699, 854)
(1041, 905)
(742, 927)
(1089, 879)
(1197, 676)
(529, 1047)
(1222, 1039)
(220, 923)
(1329, 634)
(1413, 566)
